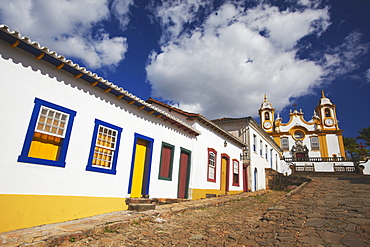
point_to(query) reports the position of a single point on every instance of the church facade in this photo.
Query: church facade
(316, 140)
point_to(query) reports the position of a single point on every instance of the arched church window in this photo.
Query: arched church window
(327, 112)
(267, 116)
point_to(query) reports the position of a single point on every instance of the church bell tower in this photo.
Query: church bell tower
(267, 115)
(327, 113)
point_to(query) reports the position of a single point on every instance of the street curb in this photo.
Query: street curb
(296, 189)
(58, 233)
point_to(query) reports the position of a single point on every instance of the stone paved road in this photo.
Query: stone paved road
(329, 211)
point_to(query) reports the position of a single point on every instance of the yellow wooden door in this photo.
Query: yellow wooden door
(139, 165)
(223, 176)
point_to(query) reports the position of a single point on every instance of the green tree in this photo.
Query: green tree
(351, 146)
(364, 135)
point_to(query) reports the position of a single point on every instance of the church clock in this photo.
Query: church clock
(267, 125)
(329, 122)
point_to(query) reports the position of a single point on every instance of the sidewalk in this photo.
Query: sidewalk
(55, 234)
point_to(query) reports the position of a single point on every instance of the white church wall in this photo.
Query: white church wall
(366, 166)
(324, 167)
(333, 146)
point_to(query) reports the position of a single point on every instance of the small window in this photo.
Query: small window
(265, 151)
(48, 134)
(104, 148)
(211, 165)
(285, 143)
(254, 143)
(327, 112)
(165, 167)
(261, 146)
(235, 173)
(314, 143)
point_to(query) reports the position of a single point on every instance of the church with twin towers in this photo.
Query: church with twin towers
(315, 140)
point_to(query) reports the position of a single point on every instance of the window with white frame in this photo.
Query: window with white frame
(104, 148)
(48, 134)
(211, 165)
(285, 143)
(314, 143)
(235, 173)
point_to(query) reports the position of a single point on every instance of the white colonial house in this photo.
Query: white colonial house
(216, 152)
(262, 152)
(76, 145)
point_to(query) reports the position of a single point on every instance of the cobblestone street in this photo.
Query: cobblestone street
(329, 211)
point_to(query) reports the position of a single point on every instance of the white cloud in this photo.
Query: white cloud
(174, 15)
(121, 10)
(68, 27)
(368, 75)
(286, 28)
(224, 67)
(343, 59)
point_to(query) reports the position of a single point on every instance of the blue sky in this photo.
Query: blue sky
(217, 58)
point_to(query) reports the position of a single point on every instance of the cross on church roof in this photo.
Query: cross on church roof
(295, 106)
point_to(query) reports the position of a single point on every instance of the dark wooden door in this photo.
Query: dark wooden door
(184, 175)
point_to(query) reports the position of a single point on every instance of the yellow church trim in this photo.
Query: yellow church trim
(22, 211)
(301, 118)
(323, 145)
(277, 140)
(341, 145)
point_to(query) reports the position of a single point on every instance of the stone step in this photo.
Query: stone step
(138, 201)
(161, 201)
(141, 207)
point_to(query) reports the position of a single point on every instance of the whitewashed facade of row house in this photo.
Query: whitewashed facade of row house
(79, 145)
(263, 152)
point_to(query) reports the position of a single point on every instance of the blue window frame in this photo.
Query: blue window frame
(48, 134)
(104, 148)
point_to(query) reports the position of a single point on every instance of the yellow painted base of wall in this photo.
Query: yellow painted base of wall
(22, 211)
(201, 193)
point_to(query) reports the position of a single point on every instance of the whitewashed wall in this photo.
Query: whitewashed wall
(22, 83)
(366, 165)
(210, 139)
(333, 145)
(257, 162)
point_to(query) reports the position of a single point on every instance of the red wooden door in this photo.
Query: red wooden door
(183, 175)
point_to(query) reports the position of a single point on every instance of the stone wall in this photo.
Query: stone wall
(278, 181)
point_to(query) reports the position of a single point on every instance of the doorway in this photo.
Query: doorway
(140, 167)
(224, 188)
(184, 173)
(255, 179)
(245, 178)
